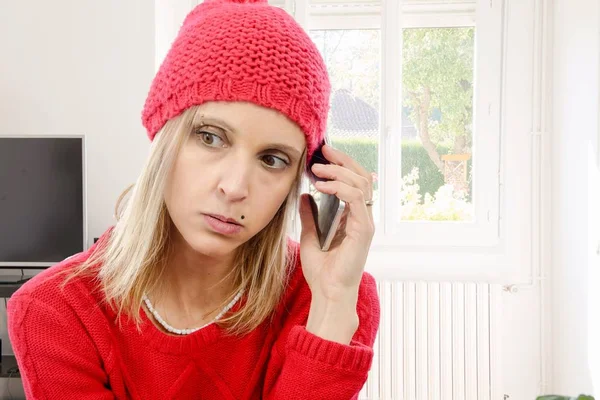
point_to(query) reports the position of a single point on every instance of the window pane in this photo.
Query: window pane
(437, 124)
(353, 61)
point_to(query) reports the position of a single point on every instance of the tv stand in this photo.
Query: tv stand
(9, 367)
(10, 284)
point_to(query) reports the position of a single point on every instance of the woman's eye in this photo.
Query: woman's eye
(274, 162)
(211, 139)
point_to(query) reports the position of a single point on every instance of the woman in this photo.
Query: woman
(196, 292)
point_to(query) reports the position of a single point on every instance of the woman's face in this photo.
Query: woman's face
(240, 159)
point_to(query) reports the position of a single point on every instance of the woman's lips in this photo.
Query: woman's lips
(224, 228)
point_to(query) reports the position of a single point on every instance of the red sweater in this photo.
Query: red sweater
(68, 346)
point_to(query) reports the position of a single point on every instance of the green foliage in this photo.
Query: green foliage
(437, 73)
(365, 151)
(430, 177)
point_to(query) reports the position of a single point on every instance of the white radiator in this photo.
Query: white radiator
(437, 341)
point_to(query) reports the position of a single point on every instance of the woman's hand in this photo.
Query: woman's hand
(335, 275)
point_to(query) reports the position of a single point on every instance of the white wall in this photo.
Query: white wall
(576, 199)
(80, 68)
(169, 16)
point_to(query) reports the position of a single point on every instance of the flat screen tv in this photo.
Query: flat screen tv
(42, 200)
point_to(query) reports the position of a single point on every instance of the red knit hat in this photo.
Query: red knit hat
(242, 50)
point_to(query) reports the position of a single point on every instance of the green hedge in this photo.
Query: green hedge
(365, 152)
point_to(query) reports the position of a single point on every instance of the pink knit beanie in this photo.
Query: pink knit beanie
(242, 50)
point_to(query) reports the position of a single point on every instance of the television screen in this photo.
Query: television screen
(41, 200)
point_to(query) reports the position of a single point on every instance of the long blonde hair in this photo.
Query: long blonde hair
(134, 256)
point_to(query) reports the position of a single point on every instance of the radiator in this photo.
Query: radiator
(437, 341)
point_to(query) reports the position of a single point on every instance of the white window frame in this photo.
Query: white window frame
(426, 249)
(483, 231)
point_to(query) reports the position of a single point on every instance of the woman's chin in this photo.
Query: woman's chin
(211, 245)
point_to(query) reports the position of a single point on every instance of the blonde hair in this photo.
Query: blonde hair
(134, 256)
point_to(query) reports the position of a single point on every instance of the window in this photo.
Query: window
(353, 62)
(437, 121)
(427, 143)
(416, 95)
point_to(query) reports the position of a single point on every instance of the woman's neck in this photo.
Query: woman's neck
(193, 288)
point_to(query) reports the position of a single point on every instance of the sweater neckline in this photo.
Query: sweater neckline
(181, 344)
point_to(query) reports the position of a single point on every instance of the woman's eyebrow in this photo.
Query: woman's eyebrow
(284, 148)
(275, 146)
(214, 121)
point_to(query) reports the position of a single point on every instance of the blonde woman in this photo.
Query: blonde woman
(197, 292)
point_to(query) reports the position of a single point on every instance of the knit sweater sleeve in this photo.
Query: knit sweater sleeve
(305, 366)
(56, 357)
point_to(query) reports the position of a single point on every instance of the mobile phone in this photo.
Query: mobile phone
(327, 208)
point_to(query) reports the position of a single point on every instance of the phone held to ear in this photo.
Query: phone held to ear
(327, 208)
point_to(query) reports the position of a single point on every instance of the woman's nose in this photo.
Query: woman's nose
(234, 183)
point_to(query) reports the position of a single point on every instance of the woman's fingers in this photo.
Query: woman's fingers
(342, 159)
(346, 170)
(344, 174)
